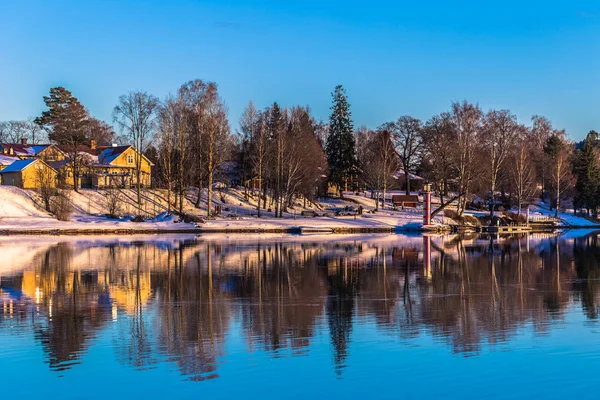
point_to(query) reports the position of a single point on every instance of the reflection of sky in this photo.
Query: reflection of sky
(552, 365)
(554, 358)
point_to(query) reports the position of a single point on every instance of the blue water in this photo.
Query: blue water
(297, 317)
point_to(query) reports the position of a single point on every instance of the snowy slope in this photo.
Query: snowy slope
(17, 203)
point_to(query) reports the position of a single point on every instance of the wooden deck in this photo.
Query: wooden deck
(506, 229)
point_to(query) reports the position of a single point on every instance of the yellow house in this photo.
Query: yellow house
(24, 151)
(29, 174)
(116, 167)
(102, 167)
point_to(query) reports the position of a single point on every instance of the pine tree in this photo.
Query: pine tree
(587, 170)
(341, 144)
(67, 122)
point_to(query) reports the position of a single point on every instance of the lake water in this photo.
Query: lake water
(296, 317)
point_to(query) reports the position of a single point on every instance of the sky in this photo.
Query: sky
(393, 57)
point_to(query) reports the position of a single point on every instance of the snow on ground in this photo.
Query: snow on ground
(567, 218)
(21, 210)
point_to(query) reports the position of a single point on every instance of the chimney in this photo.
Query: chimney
(93, 144)
(24, 141)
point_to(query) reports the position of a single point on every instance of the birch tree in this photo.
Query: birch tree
(466, 118)
(523, 167)
(208, 118)
(135, 113)
(500, 131)
(260, 145)
(559, 150)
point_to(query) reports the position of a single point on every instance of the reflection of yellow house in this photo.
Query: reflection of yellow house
(29, 174)
(38, 287)
(131, 292)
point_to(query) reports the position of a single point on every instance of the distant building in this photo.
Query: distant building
(101, 166)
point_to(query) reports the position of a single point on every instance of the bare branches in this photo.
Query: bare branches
(135, 115)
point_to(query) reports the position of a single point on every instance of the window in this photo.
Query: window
(130, 159)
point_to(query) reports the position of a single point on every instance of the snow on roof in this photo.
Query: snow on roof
(400, 174)
(109, 154)
(26, 149)
(7, 160)
(18, 166)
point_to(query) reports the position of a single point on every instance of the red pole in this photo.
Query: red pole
(427, 209)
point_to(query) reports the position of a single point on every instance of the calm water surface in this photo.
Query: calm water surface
(381, 316)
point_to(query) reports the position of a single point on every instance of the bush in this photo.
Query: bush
(462, 219)
(112, 202)
(518, 218)
(451, 214)
(61, 207)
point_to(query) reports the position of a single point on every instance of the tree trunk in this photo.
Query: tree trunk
(407, 180)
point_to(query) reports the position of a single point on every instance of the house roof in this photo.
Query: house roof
(7, 160)
(103, 155)
(18, 166)
(21, 165)
(30, 150)
(110, 154)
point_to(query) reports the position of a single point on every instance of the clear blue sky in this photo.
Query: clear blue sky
(394, 57)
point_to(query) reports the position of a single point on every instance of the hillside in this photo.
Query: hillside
(21, 210)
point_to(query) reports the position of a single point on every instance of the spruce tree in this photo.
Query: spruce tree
(341, 144)
(587, 170)
(67, 122)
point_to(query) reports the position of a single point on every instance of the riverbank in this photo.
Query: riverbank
(169, 225)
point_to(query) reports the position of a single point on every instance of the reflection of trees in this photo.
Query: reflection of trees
(586, 254)
(194, 313)
(178, 301)
(130, 289)
(282, 295)
(487, 297)
(340, 310)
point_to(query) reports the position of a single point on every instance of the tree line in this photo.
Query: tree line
(282, 154)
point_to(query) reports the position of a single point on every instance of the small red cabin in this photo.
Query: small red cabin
(405, 200)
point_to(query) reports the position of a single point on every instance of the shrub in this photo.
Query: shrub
(451, 214)
(518, 218)
(61, 206)
(462, 219)
(112, 202)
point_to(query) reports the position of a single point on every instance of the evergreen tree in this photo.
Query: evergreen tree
(68, 124)
(341, 144)
(587, 170)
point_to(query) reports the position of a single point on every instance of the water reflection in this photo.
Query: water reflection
(180, 301)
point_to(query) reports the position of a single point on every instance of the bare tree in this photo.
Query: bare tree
(212, 128)
(559, 151)
(112, 201)
(249, 122)
(100, 132)
(439, 138)
(407, 138)
(500, 131)
(523, 168)
(135, 114)
(467, 123)
(260, 145)
(541, 131)
(45, 184)
(171, 122)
